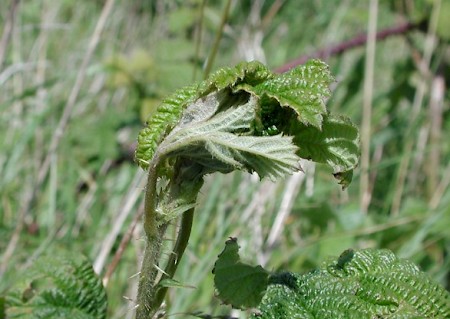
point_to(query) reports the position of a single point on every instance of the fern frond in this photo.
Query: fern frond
(60, 286)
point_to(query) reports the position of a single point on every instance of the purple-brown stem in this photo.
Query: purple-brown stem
(357, 41)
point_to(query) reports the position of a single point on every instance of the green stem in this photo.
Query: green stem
(180, 246)
(184, 181)
(148, 275)
(154, 235)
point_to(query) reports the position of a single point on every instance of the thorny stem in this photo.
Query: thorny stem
(154, 235)
(180, 246)
(150, 293)
(149, 272)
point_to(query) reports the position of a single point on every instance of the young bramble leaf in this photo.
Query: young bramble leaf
(213, 144)
(303, 89)
(336, 144)
(253, 106)
(245, 74)
(160, 124)
(244, 118)
(238, 284)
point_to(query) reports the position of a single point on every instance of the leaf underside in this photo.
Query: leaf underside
(217, 146)
(336, 144)
(233, 120)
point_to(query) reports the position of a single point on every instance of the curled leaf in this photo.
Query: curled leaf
(161, 123)
(248, 118)
(304, 89)
(335, 144)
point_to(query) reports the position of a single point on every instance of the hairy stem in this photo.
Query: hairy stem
(180, 246)
(149, 272)
(185, 180)
(154, 235)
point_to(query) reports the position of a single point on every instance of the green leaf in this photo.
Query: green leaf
(243, 75)
(304, 89)
(61, 286)
(161, 123)
(245, 117)
(214, 144)
(359, 284)
(238, 284)
(336, 144)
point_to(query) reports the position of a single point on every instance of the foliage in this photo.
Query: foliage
(358, 284)
(241, 118)
(86, 201)
(275, 99)
(60, 286)
(238, 284)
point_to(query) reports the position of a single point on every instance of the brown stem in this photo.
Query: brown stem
(357, 41)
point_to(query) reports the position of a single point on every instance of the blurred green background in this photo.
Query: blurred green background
(79, 78)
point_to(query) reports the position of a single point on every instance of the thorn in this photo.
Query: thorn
(135, 275)
(129, 299)
(160, 270)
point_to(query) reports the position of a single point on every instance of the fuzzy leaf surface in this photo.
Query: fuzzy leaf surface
(161, 123)
(215, 144)
(244, 74)
(304, 89)
(283, 106)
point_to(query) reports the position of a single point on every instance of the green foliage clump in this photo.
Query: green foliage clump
(365, 283)
(242, 118)
(57, 287)
(286, 106)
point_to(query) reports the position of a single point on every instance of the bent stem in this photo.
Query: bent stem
(151, 291)
(149, 270)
